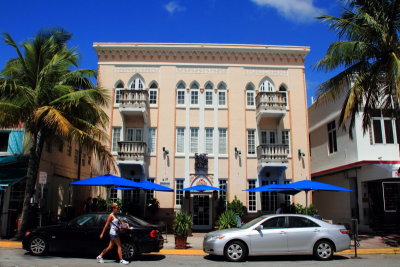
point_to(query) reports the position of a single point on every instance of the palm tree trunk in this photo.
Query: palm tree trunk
(33, 167)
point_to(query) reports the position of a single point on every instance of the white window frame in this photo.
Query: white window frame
(251, 143)
(137, 84)
(209, 98)
(152, 141)
(179, 195)
(153, 92)
(267, 86)
(250, 99)
(134, 134)
(149, 193)
(252, 197)
(180, 139)
(223, 184)
(194, 95)
(115, 139)
(382, 121)
(209, 141)
(222, 141)
(332, 137)
(194, 140)
(118, 91)
(179, 93)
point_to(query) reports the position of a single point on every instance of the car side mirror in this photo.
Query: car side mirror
(259, 228)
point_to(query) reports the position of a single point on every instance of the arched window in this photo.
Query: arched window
(222, 94)
(209, 94)
(282, 88)
(119, 86)
(250, 95)
(267, 86)
(153, 93)
(136, 84)
(180, 94)
(194, 94)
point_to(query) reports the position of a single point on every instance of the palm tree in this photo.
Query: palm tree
(39, 89)
(368, 51)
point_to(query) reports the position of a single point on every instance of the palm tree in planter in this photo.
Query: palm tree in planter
(181, 226)
(39, 89)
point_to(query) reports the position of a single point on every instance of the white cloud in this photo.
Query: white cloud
(173, 6)
(295, 10)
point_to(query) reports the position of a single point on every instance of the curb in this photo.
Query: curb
(363, 251)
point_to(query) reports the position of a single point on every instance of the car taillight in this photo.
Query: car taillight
(154, 233)
(344, 231)
(27, 233)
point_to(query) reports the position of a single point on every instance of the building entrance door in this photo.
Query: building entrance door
(201, 212)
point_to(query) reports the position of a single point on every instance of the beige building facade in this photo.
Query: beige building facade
(228, 116)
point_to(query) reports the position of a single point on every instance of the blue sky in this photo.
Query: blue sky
(274, 22)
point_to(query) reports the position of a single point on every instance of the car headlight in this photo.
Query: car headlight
(215, 237)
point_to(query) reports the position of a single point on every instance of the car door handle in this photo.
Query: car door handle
(316, 231)
(283, 232)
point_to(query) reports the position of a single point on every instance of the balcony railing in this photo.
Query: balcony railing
(134, 99)
(272, 153)
(271, 102)
(131, 150)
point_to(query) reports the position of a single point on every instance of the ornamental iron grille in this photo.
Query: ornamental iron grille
(201, 162)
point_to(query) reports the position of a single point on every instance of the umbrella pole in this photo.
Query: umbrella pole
(306, 202)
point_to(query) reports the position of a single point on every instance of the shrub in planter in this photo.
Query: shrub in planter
(228, 219)
(182, 224)
(237, 207)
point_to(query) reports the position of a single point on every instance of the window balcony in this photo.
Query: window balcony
(131, 152)
(134, 103)
(271, 105)
(272, 155)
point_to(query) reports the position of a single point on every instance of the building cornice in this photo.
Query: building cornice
(353, 165)
(201, 53)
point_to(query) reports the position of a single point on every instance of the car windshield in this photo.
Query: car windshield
(252, 222)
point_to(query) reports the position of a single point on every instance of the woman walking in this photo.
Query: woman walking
(114, 238)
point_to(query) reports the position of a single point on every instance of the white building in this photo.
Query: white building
(368, 164)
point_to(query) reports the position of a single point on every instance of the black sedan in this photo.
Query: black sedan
(82, 235)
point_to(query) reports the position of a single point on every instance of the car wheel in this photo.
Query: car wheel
(38, 245)
(323, 250)
(235, 251)
(129, 251)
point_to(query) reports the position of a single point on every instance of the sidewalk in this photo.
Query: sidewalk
(369, 244)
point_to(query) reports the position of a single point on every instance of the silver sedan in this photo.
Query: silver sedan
(280, 234)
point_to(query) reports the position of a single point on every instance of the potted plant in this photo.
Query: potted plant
(181, 226)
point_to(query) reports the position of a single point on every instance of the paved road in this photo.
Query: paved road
(18, 257)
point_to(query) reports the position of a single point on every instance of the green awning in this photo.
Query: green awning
(11, 175)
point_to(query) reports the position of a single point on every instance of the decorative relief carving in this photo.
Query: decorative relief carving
(137, 69)
(207, 179)
(201, 70)
(261, 72)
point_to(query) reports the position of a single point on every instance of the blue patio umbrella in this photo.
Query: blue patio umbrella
(273, 187)
(202, 187)
(149, 186)
(153, 186)
(107, 180)
(125, 188)
(308, 185)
